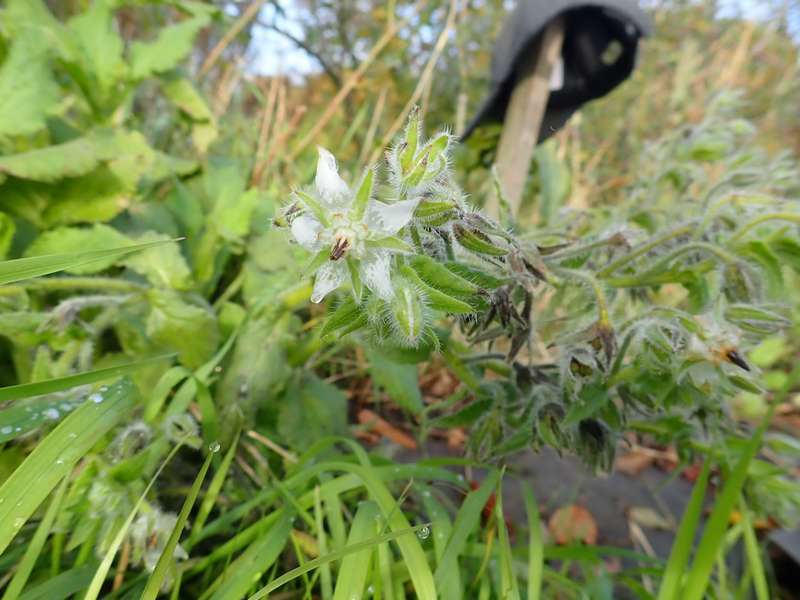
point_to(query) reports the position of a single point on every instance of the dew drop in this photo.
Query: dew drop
(19, 522)
(214, 447)
(6, 430)
(424, 532)
(18, 429)
(51, 413)
(104, 388)
(72, 435)
(60, 461)
(96, 398)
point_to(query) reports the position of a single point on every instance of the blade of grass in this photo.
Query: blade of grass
(248, 568)
(102, 569)
(508, 582)
(36, 266)
(535, 543)
(48, 386)
(160, 572)
(57, 454)
(210, 497)
(753, 553)
(447, 575)
(34, 547)
(682, 546)
(326, 586)
(335, 555)
(441, 527)
(720, 517)
(353, 571)
(62, 585)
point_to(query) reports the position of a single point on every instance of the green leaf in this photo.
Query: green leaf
(99, 49)
(436, 299)
(70, 159)
(248, 568)
(171, 47)
(311, 409)
(355, 279)
(158, 575)
(163, 266)
(363, 195)
(593, 397)
(28, 91)
(355, 567)
(183, 94)
(788, 249)
(63, 585)
(34, 548)
(36, 266)
(232, 218)
(535, 543)
(399, 381)
(769, 263)
(7, 230)
(76, 239)
(188, 328)
(391, 243)
(348, 316)
(55, 456)
(438, 276)
(466, 522)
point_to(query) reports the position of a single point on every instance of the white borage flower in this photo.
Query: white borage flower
(352, 234)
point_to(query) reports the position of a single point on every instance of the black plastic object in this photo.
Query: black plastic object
(592, 66)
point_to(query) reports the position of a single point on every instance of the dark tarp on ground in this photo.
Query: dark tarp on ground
(590, 28)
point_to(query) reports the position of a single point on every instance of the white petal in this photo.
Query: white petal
(388, 219)
(375, 273)
(305, 230)
(329, 277)
(330, 186)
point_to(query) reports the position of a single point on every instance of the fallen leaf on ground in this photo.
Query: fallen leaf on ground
(386, 429)
(573, 523)
(634, 462)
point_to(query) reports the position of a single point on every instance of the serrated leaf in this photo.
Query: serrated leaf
(170, 48)
(75, 239)
(70, 159)
(28, 91)
(232, 218)
(163, 266)
(188, 328)
(399, 381)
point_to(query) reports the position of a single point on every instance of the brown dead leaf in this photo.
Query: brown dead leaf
(634, 462)
(386, 429)
(573, 523)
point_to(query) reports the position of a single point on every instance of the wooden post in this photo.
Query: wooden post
(524, 115)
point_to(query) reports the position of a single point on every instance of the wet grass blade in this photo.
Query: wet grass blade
(328, 558)
(35, 546)
(35, 266)
(714, 532)
(62, 585)
(160, 572)
(467, 520)
(48, 386)
(682, 546)
(56, 455)
(353, 571)
(508, 582)
(535, 544)
(210, 497)
(247, 569)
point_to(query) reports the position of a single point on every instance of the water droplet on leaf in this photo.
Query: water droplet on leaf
(424, 532)
(214, 447)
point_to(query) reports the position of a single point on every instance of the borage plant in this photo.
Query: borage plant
(572, 332)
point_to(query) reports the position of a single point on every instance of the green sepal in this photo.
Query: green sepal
(355, 279)
(345, 318)
(432, 208)
(476, 276)
(408, 313)
(314, 206)
(475, 241)
(362, 196)
(391, 243)
(436, 275)
(437, 300)
(412, 139)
